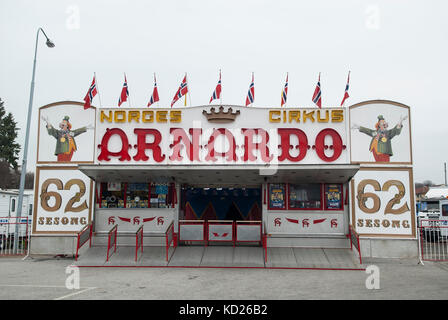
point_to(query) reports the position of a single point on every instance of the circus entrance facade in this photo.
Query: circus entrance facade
(277, 177)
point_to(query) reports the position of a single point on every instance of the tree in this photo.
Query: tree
(428, 183)
(9, 148)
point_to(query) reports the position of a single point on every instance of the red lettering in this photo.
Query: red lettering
(192, 148)
(321, 146)
(142, 145)
(250, 145)
(285, 144)
(123, 153)
(229, 154)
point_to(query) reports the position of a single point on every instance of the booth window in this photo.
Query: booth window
(277, 196)
(444, 210)
(159, 193)
(333, 197)
(137, 195)
(112, 194)
(305, 196)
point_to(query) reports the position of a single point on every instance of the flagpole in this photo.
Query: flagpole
(155, 82)
(220, 93)
(320, 85)
(97, 89)
(348, 81)
(253, 81)
(127, 89)
(189, 95)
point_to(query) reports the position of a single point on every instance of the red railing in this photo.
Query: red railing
(187, 236)
(169, 238)
(8, 234)
(82, 237)
(433, 239)
(112, 241)
(264, 242)
(256, 236)
(138, 242)
(221, 231)
(354, 241)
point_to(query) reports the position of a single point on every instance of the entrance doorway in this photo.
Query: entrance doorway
(226, 203)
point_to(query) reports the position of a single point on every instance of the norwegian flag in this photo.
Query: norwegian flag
(124, 92)
(183, 89)
(217, 93)
(285, 92)
(346, 90)
(317, 99)
(251, 93)
(90, 94)
(155, 93)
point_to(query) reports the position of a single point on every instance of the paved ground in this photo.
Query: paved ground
(45, 278)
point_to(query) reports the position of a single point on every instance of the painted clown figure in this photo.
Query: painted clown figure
(65, 138)
(380, 145)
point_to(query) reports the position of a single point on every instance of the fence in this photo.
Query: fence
(112, 241)
(249, 231)
(264, 242)
(169, 238)
(192, 231)
(138, 242)
(82, 237)
(8, 226)
(433, 239)
(354, 242)
(220, 231)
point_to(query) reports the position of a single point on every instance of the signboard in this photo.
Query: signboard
(66, 133)
(305, 223)
(380, 133)
(333, 197)
(277, 196)
(383, 202)
(230, 135)
(63, 200)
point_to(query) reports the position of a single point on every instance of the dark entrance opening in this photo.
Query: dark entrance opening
(225, 203)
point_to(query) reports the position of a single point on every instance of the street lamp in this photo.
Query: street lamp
(49, 44)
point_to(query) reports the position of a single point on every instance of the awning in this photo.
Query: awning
(220, 175)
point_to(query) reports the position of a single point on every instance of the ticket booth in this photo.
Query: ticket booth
(303, 176)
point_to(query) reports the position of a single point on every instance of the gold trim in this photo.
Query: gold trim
(54, 104)
(378, 101)
(36, 196)
(411, 197)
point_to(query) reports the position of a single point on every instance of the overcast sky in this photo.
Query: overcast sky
(396, 50)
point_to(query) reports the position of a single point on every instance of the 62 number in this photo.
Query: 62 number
(69, 207)
(363, 196)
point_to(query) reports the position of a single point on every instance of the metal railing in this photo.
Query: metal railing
(138, 241)
(249, 231)
(11, 229)
(354, 241)
(112, 241)
(264, 242)
(433, 236)
(82, 237)
(169, 238)
(221, 231)
(192, 231)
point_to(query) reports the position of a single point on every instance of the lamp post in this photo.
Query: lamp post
(49, 44)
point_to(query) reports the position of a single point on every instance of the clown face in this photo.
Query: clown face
(383, 125)
(64, 125)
